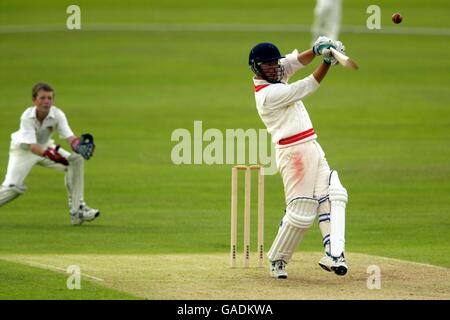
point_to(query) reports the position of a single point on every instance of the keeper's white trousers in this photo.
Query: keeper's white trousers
(21, 160)
(20, 163)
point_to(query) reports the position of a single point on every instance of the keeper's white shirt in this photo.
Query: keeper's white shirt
(33, 132)
(279, 104)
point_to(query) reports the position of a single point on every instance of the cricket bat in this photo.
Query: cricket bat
(342, 58)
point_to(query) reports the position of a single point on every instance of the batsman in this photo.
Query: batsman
(311, 188)
(32, 145)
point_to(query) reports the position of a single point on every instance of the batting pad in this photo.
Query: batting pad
(338, 199)
(300, 214)
(9, 193)
(75, 181)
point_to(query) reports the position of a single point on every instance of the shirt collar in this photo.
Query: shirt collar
(259, 82)
(51, 113)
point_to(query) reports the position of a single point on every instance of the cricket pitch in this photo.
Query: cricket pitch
(208, 276)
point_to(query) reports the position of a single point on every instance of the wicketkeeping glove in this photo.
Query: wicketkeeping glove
(322, 43)
(84, 145)
(55, 156)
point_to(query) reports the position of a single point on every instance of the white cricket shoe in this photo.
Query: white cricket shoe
(278, 269)
(339, 265)
(85, 213)
(326, 262)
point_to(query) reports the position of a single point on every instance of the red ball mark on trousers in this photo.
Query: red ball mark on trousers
(299, 167)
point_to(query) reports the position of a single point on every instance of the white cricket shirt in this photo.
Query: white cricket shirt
(280, 107)
(33, 132)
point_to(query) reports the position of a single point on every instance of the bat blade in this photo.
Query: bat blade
(344, 60)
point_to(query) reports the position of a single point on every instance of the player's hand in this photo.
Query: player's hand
(328, 57)
(84, 145)
(322, 43)
(54, 155)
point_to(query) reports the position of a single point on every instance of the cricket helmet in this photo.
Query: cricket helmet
(265, 52)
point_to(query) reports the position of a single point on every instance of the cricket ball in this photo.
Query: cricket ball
(397, 18)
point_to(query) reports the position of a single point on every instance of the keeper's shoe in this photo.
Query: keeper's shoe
(278, 269)
(326, 262)
(339, 265)
(85, 213)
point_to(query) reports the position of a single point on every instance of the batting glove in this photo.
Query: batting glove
(339, 46)
(322, 43)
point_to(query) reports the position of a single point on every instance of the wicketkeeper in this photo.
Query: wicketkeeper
(310, 186)
(31, 145)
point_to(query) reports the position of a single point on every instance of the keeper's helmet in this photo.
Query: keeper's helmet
(265, 52)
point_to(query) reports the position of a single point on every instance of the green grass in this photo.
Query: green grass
(385, 128)
(29, 283)
(416, 13)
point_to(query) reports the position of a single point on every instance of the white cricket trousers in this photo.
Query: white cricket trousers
(305, 173)
(304, 170)
(20, 163)
(327, 19)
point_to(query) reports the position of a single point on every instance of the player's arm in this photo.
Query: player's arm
(295, 61)
(284, 95)
(83, 145)
(37, 149)
(28, 135)
(321, 71)
(70, 140)
(306, 57)
(50, 153)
